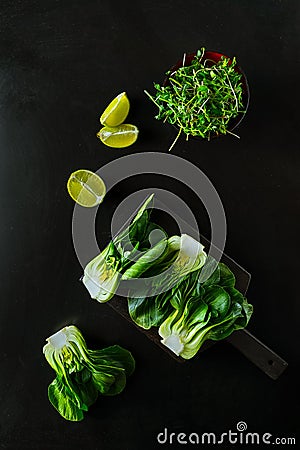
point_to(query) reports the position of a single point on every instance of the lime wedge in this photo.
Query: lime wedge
(116, 112)
(86, 188)
(118, 137)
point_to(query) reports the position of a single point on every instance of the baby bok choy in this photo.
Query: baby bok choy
(209, 310)
(178, 256)
(103, 273)
(82, 374)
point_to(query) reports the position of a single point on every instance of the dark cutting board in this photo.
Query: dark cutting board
(257, 352)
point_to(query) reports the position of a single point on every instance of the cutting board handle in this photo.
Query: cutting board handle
(258, 353)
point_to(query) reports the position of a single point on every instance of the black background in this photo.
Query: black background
(61, 62)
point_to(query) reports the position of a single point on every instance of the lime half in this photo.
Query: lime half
(119, 137)
(86, 188)
(116, 112)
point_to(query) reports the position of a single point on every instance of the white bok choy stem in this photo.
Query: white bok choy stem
(101, 278)
(66, 348)
(191, 255)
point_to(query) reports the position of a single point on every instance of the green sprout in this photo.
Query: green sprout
(202, 98)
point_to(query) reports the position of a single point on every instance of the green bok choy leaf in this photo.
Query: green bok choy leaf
(83, 374)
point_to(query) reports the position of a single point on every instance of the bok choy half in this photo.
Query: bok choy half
(201, 311)
(82, 374)
(102, 274)
(187, 256)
